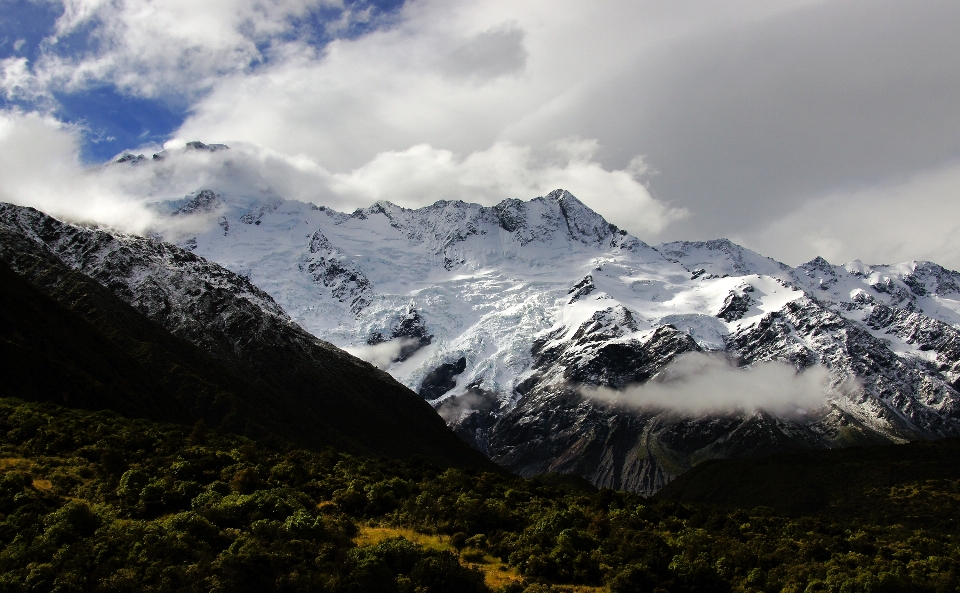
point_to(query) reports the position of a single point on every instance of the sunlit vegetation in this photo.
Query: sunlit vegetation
(91, 501)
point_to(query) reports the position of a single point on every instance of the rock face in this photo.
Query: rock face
(216, 347)
(505, 314)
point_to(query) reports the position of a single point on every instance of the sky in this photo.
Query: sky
(794, 127)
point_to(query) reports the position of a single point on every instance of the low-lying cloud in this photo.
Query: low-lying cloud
(453, 407)
(697, 384)
(40, 167)
(383, 354)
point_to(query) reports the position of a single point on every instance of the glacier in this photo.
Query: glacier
(496, 314)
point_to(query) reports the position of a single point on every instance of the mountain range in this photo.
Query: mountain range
(547, 338)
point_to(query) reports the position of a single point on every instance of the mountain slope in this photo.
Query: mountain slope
(217, 347)
(500, 316)
(865, 482)
(50, 353)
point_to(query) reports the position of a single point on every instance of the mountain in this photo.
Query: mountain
(500, 316)
(109, 321)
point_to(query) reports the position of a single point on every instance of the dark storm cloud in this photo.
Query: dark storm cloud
(746, 122)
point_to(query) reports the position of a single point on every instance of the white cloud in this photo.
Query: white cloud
(422, 175)
(173, 47)
(459, 76)
(383, 354)
(748, 108)
(696, 384)
(452, 408)
(41, 169)
(16, 81)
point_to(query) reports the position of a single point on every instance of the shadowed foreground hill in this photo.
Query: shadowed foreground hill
(191, 341)
(885, 483)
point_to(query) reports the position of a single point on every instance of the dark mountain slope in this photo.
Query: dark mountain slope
(886, 483)
(50, 353)
(207, 343)
(84, 347)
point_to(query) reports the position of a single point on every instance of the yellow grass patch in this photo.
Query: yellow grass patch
(495, 572)
(13, 462)
(40, 484)
(372, 535)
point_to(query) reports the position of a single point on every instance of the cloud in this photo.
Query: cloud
(421, 175)
(383, 354)
(917, 218)
(487, 55)
(43, 170)
(696, 384)
(458, 76)
(748, 109)
(474, 400)
(745, 108)
(178, 48)
(747, 122)
(16, 81)
(39, 167)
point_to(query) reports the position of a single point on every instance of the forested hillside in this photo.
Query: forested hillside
(92, 501)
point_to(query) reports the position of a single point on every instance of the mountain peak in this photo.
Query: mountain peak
(205, 200)
(818, 264)
(559, 194)
(720, 257)
(197, 145)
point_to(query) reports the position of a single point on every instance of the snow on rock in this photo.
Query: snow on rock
(497, 314)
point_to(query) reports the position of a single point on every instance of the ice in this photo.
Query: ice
(488, 282)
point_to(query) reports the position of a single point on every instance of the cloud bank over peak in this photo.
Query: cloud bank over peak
(41, 168)
(757, 114)
(422, 174)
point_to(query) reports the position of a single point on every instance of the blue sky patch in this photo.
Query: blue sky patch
(114, 122)
(24, 24)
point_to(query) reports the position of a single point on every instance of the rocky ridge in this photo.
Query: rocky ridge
(525, 302)
(219, 348)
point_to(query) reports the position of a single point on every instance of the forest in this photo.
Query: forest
(93, 501)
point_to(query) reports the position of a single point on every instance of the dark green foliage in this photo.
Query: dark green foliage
(858, 481)
(133, 505)
(396, 565)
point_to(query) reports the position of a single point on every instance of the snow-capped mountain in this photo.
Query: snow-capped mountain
(497, 315)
